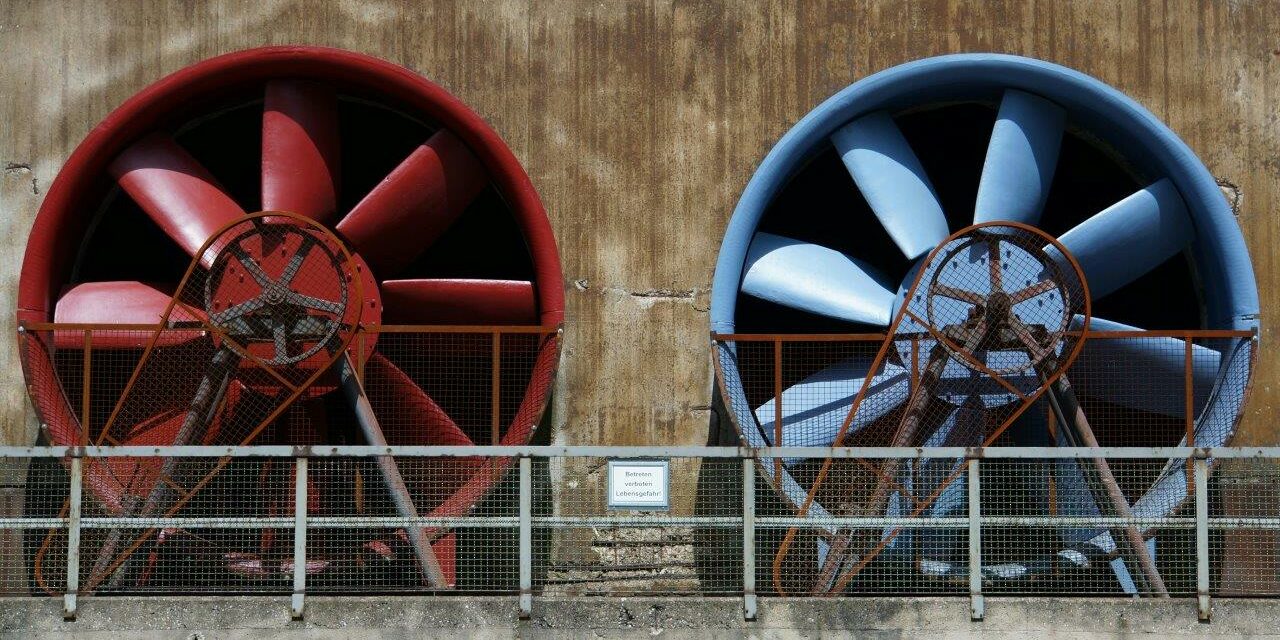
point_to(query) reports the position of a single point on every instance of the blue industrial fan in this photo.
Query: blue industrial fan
(1165, 253)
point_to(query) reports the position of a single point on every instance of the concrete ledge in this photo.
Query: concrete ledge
(703, 618)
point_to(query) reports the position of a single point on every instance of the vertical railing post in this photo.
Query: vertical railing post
(777, 403)
(1188, 409)
(526, 537)
(977, 608)
(73, 538)
(1202, 538)
(748, 539)
(299, 538)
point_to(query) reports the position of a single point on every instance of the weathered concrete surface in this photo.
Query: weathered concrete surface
(395, 617)
(640, 123)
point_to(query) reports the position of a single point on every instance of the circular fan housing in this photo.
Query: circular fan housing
(832, 228)
(443, 227)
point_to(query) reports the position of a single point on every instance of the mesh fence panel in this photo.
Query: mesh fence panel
(1245, 549)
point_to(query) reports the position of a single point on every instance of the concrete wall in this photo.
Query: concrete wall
(639, 123)
(701, 619)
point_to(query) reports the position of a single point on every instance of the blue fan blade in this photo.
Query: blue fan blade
(816, 279)
(814, 409)
(1147, 374)
(890, 177)
(1212, 429)
(1021, 158)
(1130, 238)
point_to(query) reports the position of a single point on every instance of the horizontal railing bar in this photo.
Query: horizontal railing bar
(320, 451)
(798, 337)
(959, 522)
(373, 328)
(442, 328)
(354, 522)
(639, 521)
(251, 522)
(872, 337)
(33, 523)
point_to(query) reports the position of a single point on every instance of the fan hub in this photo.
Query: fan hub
(280, 290)
(999, 291)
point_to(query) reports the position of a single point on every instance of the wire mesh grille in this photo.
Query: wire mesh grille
(1044, 530)
(804, 390)
(417, 386)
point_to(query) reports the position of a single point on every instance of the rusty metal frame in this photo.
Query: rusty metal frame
(876, 363)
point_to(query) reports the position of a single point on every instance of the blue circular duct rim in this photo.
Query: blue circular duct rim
(1219, 253)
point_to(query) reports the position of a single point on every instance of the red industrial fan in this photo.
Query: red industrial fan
(155, 310)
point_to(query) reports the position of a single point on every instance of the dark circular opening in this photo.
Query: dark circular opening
(124, 244)
(821, 204)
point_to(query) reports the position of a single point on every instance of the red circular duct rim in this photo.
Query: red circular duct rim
(50, 251)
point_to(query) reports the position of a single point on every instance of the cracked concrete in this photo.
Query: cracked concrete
(23, 169)
(1232, 193)
(698, 297)
(483, 617)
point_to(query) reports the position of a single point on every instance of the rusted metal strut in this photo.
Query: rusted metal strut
(1102, 482)
(419, 538)
(204, 405)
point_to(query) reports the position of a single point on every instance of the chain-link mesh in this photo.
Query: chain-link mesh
(1047, 527)
(1136, 541)
(33, 490)
(1245, 544)
(422, 387)
(914, 389)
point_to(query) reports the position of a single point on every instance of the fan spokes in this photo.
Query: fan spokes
(459, 301)
(1130, 238)
(816, 279)
(176, 191)
(814, 410)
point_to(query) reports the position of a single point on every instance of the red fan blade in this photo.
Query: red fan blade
(409, 416)
(414, 204)
(175, 190)
(498, 302)
(527, 416)
(112, 479)
(300, 149)
(399, 402)
(120, 302)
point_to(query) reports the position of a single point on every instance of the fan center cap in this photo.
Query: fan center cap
(282, 291)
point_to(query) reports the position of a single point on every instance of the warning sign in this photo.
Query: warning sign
(639, 485)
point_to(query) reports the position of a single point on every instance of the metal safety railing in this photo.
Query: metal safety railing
(547, 527)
